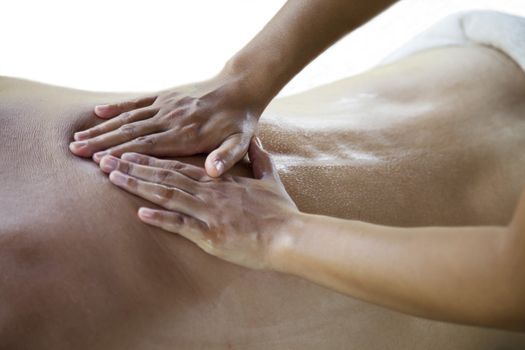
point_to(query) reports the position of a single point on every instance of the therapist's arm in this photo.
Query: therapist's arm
(297, 34)
(471, 275)
(219, 115)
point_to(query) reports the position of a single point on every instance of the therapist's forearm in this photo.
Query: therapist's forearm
(470, 275)
(298, 33)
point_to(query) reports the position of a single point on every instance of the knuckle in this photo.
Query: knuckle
(131, 182)
(165, 195)
(189, 104)
(198, 103)
(215, 238)
(176, 113)
(145, 160)
(163, 175)
(125, 117)
(137, 158)
(125, 167)
(178, 220)
(176, 166)
(148, 140)
(127, 130)
(173, 223)
(191, 131)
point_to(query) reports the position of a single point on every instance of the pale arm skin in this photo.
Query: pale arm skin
(470, 275)
(219, 115)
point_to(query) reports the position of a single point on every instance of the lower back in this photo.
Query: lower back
(82, 272)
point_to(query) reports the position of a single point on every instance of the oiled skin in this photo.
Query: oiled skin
(434, 139)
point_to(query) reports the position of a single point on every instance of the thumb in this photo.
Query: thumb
(229, 152)
(264, 168)
(262, 164)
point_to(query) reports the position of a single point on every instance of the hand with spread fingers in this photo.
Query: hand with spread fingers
(216, 115)
(234, 218)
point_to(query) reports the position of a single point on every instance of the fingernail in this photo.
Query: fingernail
(117, 178)
(97, 156)
(219, 165)
(78, 144)
(146, 213)
(101, 107)
(109, 163)
(81, 135)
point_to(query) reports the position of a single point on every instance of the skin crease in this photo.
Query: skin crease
(79, 270)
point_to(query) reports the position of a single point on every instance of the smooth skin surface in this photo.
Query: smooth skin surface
(79, 269)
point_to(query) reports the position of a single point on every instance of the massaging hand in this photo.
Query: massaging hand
(216, 115)
(233, 218)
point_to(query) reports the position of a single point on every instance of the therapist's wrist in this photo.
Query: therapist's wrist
(284, 246)
(258, 80)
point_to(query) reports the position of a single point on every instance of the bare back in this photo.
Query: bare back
(434, 139)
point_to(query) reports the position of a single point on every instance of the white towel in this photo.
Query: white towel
(499, 30)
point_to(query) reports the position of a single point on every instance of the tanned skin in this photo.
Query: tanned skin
(461, 274)
(79, 270)
(219, 116)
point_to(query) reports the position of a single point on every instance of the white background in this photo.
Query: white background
(148, 45)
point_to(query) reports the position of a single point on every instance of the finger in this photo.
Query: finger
(155, 144)
(98, 146)
(187, 226)
(148, 173)
(113, 124)
(167, 197)
(114, 109)
(230, 152)
(264, 168)
(191, 171)
(262, 164)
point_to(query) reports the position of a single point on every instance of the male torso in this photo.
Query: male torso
(435, 139)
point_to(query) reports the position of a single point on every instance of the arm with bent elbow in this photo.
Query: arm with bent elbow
(219, 115)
